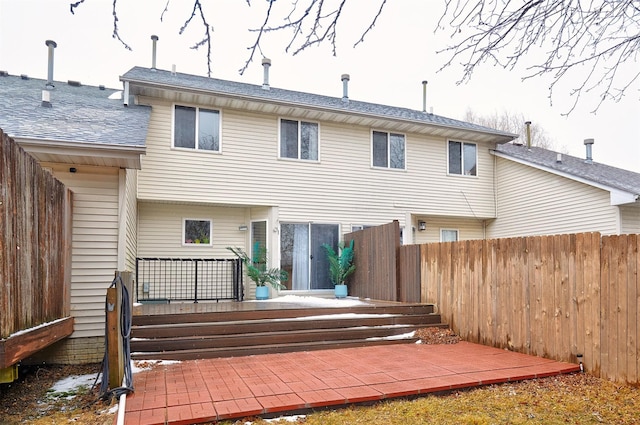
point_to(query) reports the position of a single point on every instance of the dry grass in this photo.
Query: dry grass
(568, 399)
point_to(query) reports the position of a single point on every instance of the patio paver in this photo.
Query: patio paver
(207, 390)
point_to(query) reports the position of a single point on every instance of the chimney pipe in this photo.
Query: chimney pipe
(528, 129)
(266, 63)
(589, 144)
(154, 41)
(424, 95)
(51, 45)
(345, 87)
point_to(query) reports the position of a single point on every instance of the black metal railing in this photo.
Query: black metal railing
(188, 279)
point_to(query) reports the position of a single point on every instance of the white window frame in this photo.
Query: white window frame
(184, 228)
(388, 166)
(449, 230)
(462, 167)
(298, 158)
(196, 147)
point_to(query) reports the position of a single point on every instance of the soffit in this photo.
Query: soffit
(312, 113)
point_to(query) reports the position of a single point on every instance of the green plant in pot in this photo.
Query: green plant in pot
(258, 272)
(340, 266)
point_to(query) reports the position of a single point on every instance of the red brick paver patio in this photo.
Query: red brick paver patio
(218, 389)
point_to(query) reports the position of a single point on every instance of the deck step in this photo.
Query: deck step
(193, 332)
(210, 353)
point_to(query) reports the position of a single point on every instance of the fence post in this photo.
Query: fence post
(114, 341)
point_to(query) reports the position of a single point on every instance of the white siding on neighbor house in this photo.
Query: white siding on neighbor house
(535, 202)
(341, 188)
(630, 218)
(467, 229)
(94, 244)
(131, 219)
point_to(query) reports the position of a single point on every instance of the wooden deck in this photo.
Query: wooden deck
(250, 305)
(23, 344)
(190, 331)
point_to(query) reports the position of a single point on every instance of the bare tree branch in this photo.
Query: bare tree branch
(116, 33)
(513, 122)
(197, 7)
(572, 37)
(373, 23)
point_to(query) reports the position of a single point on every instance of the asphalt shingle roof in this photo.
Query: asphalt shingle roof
(602, 174)
(212, 85)
(78, 114)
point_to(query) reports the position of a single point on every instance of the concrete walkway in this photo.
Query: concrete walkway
(276, 384)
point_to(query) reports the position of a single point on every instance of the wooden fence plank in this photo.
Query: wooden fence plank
(34, 289)
(631, 244)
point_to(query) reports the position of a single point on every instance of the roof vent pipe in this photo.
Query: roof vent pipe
(589, 145)
(424, 96)
(266, 63)
(528, 130)
(154, 40)
(559, 158)
(345, 87)
(51, 45)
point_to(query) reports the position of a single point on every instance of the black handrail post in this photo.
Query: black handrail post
(137, 289)
(195, 295)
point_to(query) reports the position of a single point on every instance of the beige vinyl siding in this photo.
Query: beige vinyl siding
(535, 202)
(630, 218)
(160, 230)
(467, 229)
(94, 243)
(341, 188)
(132, 220)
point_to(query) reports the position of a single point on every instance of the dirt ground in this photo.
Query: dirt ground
(29, 400)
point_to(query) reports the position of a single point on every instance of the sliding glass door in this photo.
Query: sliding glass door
(303, 256)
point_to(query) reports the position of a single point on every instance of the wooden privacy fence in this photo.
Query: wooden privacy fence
(35, 238)
(551, 296)
(375, 251)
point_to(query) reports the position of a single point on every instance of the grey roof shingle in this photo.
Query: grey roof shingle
(212, 85)
(78, 114)
(602, 174)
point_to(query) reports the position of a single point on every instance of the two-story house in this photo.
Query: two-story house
(228, 164)
(184, 166)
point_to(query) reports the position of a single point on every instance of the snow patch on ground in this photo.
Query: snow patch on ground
(315, 301)
(293, 418)
(72, 384)
(393, 337)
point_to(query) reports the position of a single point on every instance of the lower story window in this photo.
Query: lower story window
(196, 231)
(448, 235)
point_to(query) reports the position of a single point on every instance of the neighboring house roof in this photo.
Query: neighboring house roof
(623, 184)
(145, 80)
(80, 117)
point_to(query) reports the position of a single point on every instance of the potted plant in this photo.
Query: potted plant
(340, 266)
(258, 272)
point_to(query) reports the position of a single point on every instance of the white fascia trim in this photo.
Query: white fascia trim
(73, 145)
(617, 196)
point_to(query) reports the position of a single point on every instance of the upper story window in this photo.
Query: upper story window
(388, 150)
(298, 140)
(463, 158)
(196, 128)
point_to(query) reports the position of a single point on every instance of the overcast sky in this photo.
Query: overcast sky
(388, 68)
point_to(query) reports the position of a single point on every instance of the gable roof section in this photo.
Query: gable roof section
(623, 185)
(81, 120)
(159, 83)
